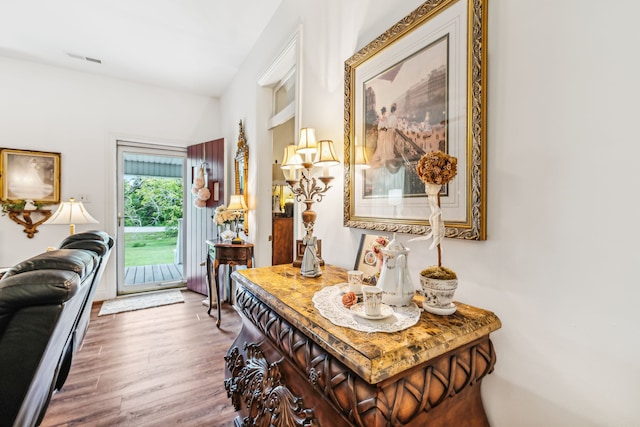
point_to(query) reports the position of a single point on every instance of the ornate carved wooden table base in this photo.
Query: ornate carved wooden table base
(277, 375)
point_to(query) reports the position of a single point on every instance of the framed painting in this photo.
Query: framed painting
(419, 87)
(30, 175)
(367, 260)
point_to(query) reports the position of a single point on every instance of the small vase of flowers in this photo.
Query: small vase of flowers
(439, 283)
(223, 219)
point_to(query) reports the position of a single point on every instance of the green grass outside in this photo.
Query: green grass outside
(148, 249)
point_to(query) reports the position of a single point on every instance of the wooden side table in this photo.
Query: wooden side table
(225, 253)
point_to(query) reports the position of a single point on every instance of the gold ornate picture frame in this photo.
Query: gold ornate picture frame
(420, 86)
(30, 175)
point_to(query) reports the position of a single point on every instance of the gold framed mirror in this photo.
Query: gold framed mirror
(242, 169)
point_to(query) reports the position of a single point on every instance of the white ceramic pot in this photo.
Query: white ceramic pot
(438, 295)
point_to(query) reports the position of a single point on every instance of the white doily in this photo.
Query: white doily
(328, 301)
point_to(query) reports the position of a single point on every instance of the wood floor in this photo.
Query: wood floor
(161, 366)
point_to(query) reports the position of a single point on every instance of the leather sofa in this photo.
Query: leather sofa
(45, 306)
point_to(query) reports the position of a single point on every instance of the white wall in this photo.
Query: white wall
(81, 116)
(557, 266)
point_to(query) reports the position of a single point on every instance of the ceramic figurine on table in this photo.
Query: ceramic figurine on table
(310, 266)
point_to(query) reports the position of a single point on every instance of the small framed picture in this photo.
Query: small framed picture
(367, 260)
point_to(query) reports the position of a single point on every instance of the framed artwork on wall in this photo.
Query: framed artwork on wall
(418, 87)
(30, 175)
(367, 260)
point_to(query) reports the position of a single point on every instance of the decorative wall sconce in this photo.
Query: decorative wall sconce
(23, 217)
(307, 189)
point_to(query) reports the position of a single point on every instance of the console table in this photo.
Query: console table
(230, 254)
(294, 367)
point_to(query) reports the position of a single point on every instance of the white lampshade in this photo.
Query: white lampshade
(326, 154)
(71, 213)
(236, 203)
(307, 142)
(291, 161)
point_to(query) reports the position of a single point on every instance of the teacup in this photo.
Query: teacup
(355, 280)
(372, 297)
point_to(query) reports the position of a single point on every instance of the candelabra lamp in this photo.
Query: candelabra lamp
(309, 189)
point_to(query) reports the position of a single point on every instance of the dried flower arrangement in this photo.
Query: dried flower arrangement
(223, 215)
(436, 169)
(199, 190)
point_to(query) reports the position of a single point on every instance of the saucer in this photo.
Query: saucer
(385, 311)
(344, 288)
(443, 311)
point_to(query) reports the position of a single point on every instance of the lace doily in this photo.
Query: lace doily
(328, 301)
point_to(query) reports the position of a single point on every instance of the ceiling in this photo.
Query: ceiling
(189, 45)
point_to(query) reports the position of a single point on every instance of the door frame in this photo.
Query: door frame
(289, 58)
(123, 146)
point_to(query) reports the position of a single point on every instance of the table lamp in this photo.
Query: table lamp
(237, 204)
(71, 213)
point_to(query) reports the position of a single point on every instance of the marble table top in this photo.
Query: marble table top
(373, 356)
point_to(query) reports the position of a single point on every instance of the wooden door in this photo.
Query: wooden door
(199, 223)
(282, 251)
